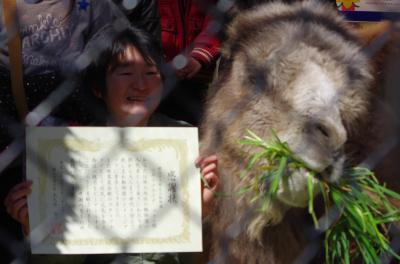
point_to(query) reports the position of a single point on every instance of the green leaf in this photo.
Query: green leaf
(310, 187)
(346, 248)
(253, 135)
(243, 190)
(365, 208)
(254, 159)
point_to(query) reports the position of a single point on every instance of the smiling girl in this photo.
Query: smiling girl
(127, 83)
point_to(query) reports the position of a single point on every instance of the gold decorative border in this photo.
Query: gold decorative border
(44, 148)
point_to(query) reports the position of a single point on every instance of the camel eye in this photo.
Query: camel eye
(257, 79)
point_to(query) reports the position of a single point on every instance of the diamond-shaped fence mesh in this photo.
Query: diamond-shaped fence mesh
(63, 91)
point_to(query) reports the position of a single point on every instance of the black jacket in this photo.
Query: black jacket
(144, 15)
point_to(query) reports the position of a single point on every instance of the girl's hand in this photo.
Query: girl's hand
(192, 67)
(16, 203)
(209, 170)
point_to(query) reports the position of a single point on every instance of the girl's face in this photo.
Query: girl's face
(133, 89)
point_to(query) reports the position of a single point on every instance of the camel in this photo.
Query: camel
(299, 71)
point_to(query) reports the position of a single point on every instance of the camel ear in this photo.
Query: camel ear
(369, 32)
(376, 38)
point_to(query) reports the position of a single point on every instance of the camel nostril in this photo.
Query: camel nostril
(323, 130)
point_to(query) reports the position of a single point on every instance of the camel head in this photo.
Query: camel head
(295, 70)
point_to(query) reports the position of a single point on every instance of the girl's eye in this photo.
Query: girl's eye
(150, 73)
(125, 73)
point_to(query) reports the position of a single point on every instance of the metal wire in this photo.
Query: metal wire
(18, 249)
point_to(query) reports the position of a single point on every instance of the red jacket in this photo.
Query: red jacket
(181, 29)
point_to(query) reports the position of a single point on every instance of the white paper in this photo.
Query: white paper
(113, 190)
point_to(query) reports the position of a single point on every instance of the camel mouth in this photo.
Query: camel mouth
(325, 174)
(333, 172)
(325, 167)
(293, 188)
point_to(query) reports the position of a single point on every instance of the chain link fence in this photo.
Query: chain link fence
(16, 248)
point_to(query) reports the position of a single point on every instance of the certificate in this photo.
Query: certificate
(369, 10)
(113, 190)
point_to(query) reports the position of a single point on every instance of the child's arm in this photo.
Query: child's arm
(16, 203)
(209, 171)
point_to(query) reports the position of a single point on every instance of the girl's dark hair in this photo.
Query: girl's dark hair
(114, 48)
(106, 49)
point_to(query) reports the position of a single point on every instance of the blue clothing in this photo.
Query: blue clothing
(54, 33)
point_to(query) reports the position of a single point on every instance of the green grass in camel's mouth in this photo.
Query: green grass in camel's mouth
(360, 231)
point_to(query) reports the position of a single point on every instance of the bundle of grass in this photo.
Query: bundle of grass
(365, 210)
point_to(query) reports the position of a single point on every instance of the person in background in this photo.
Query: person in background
(125, 79)
(142, 14)
(192, 50)
(53, 35)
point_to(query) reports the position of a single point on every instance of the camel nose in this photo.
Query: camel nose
(330, 133)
